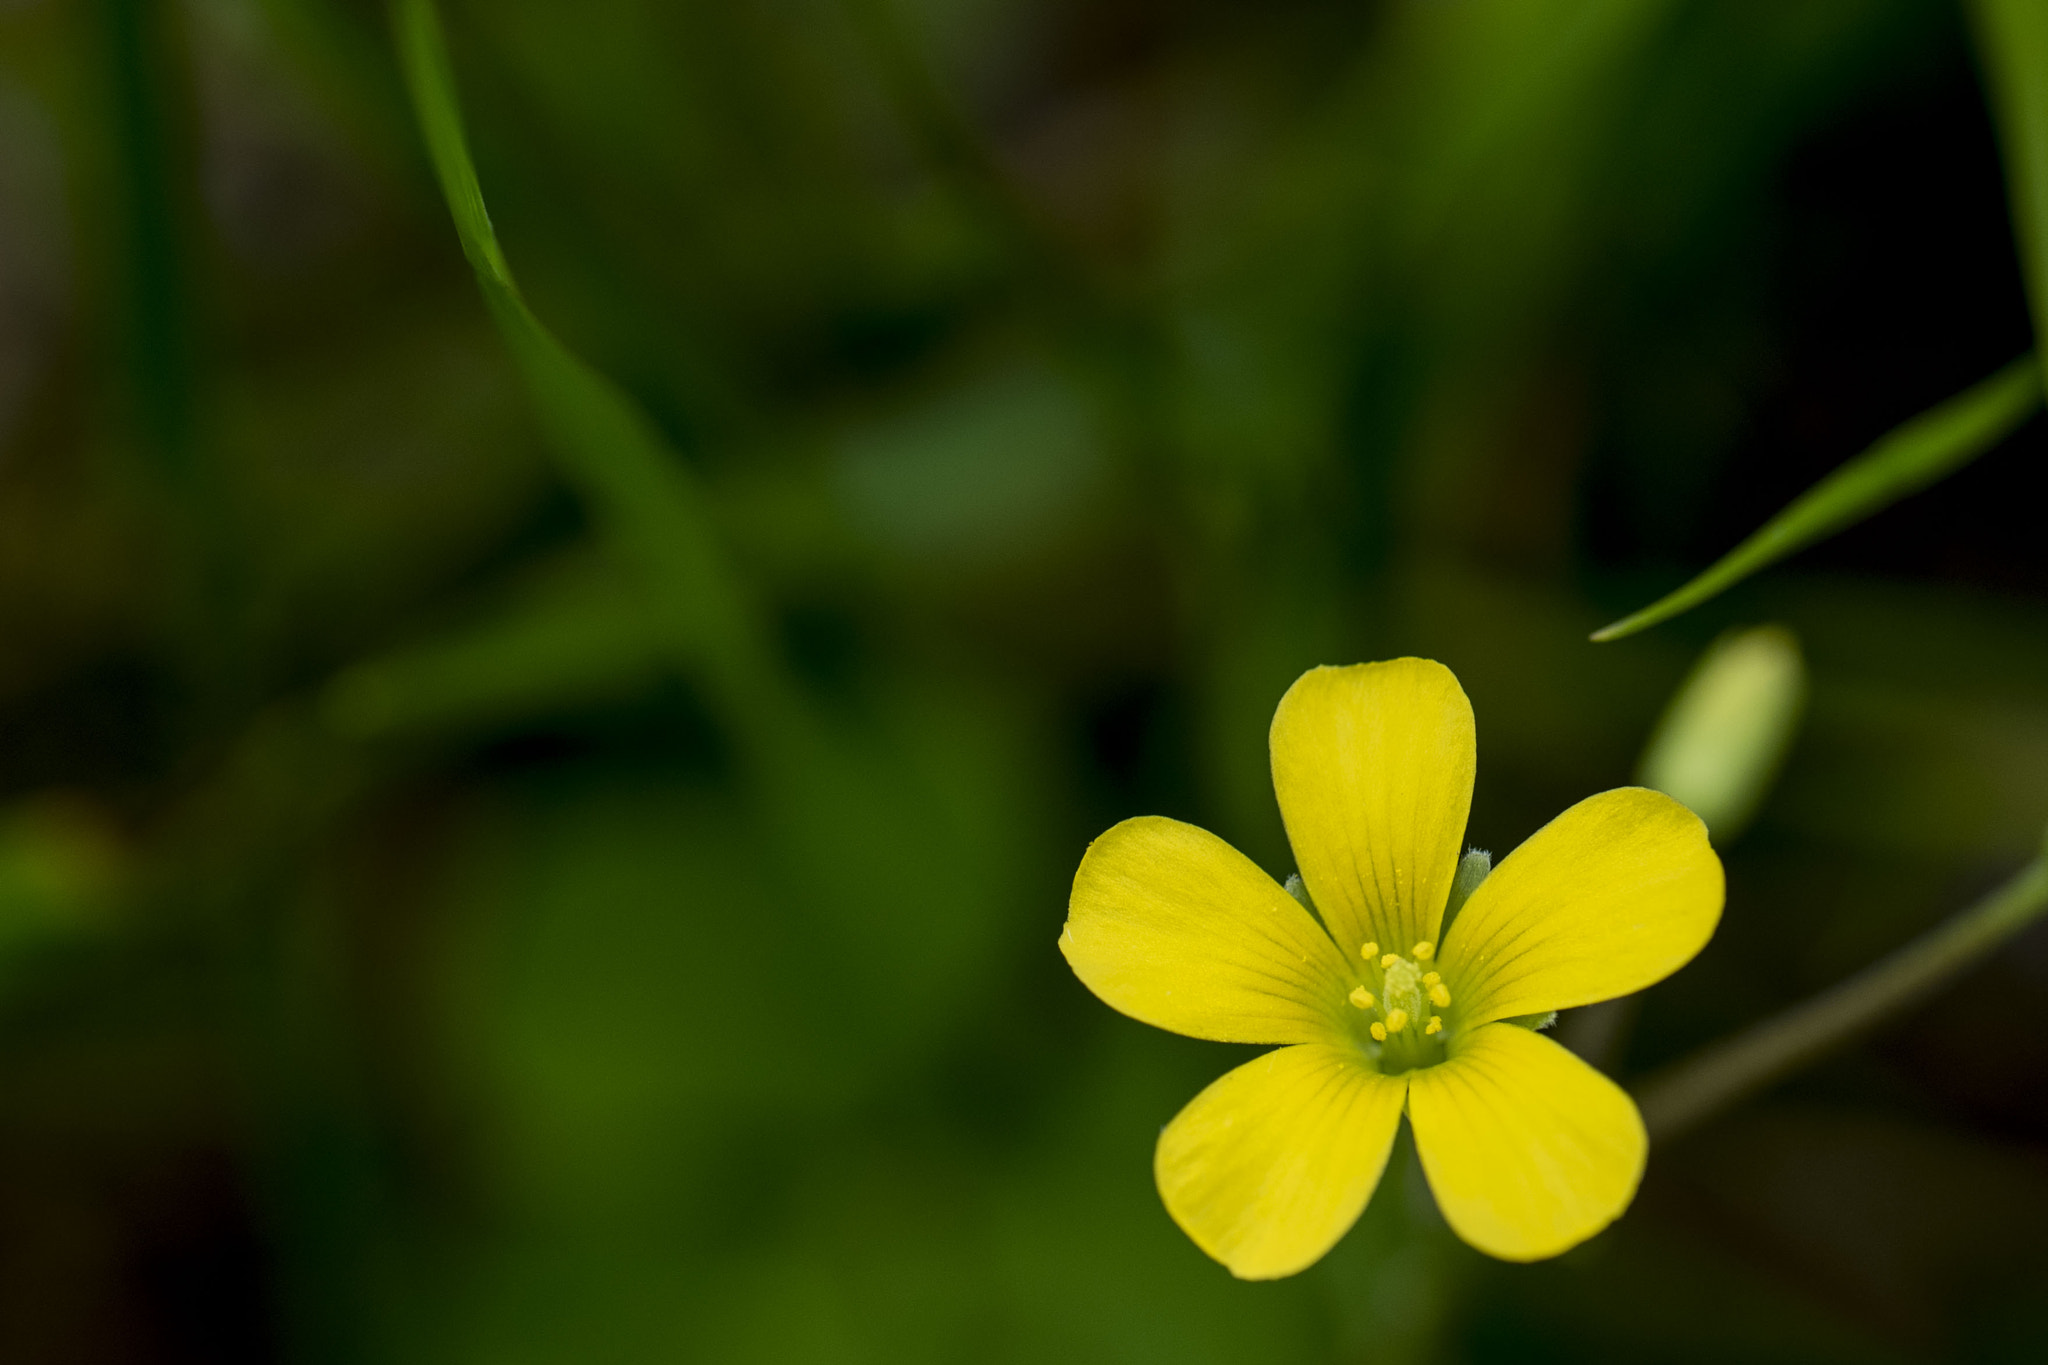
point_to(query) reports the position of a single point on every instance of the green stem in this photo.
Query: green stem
(1689, 1092)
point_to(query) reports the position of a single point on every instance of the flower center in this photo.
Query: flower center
(1402, 1014)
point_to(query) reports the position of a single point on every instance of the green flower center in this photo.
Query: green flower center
(1401, 1003)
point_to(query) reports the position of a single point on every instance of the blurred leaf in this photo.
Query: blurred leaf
(1429, 204)
(577, 634)
(357, 488)
(978, 472)
(1096, 1269)
(1922, 451)
(629, 982)
(2012, 36)
(61, 863)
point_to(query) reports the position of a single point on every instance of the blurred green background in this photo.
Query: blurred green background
(430, 934)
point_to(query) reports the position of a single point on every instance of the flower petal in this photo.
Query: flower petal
(1269, 1166)
(1175, 927)
(1616, 893)
(1373, 767)
(1528, 1150)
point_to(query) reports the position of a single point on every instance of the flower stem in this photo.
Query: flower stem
(1694, 1089)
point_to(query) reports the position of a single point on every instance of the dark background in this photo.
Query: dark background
(405, 956)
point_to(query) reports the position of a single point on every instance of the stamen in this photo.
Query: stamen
(1369, 951)
(1388, 960)
(1396, 1020)
(1379, 1032)
(1431, 978)
(1362, 998)
(1424, 951)
(1435, 1025)
(1440, 995)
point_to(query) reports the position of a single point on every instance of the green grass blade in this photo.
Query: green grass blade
(1906, 459)
(646, 503)
(2012, 38)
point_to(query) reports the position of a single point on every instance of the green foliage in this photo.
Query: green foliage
(549, 817)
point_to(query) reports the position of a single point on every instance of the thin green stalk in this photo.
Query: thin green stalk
(1689, 1092)
(1920, 451)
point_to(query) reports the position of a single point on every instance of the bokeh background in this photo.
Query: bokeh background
(416, 945)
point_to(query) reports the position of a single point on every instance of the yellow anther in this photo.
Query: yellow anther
(1440, 995)
(1435, 1025)
(1396, 1020)
(1389, 959)
(1431, 978)
(1362, 998)
(1369, 951)
(1379, 1032)
(1424, 951)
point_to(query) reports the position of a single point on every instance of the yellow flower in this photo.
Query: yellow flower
(1528, 1150)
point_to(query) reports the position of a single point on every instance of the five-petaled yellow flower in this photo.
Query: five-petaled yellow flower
(1528, 1150)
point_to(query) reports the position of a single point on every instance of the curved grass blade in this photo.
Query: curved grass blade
(644, 499)
(2012, 38)
(1906, 459)
(876, 851)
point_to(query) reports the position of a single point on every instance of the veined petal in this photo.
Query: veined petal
(1373, 767)
(1616, 893)
(1528, 1150)
(1269, 1166)
(1175, 927)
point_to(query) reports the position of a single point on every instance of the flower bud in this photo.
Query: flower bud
(1726, 731)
